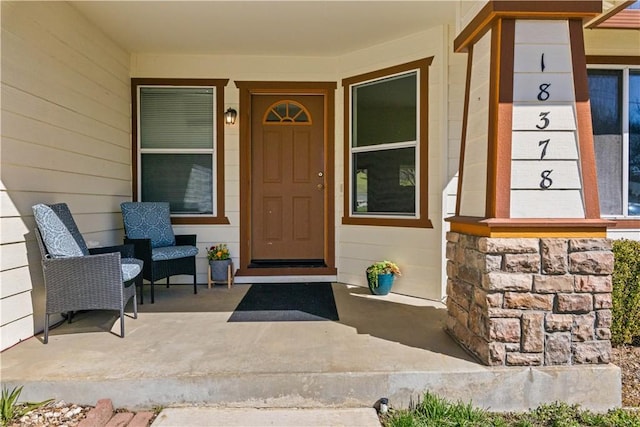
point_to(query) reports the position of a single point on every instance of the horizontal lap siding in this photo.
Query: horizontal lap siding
(65, 138)
(419, 251)
(610, 42)
(416, 250)
(473, 185)
(457, 80)
(239, 68)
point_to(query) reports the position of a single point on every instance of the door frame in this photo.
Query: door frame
(327, 91)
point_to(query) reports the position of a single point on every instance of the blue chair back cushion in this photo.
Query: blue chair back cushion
(59, 231)
(148, 220)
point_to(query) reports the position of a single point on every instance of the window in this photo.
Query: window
(386, 154)
(287, 112)
(615, 111)
(178, 137)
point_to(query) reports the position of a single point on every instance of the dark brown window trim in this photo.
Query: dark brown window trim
(612, 60)
(423, 221)
(529, 227)
(388, 222)
(583, 121)
(247, 90)
(219, 84)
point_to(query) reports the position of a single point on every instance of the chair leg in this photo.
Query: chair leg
(152, 295)
(195, 288)
(122, 321)
(135, 306)
(46, 328)
(167, 281)
(141, 283)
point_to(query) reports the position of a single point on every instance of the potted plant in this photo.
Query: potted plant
(220, 264)
(380, 276)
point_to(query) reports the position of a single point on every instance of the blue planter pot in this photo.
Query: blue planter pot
(385, 282)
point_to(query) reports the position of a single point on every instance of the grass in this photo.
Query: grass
(10, 409)
(434, 411)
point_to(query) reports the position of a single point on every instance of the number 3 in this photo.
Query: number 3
(545, 120)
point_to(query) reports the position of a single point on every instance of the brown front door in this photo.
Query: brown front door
(287, 179)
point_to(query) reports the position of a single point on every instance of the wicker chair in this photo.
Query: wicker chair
(147, 226)
(77, 278)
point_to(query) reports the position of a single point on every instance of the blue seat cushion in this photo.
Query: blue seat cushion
(148, 220)
(57, 228)
(173, 252)
(131, 267)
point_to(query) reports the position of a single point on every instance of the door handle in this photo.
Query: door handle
(320, 187)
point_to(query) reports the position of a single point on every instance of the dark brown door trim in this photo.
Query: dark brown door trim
(247, 90)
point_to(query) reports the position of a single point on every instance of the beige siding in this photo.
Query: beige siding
(241, 68)
(418, 251)
(467, 10)
(65, 138)
(457, 75)
(630, 234)
(475, 162)
(457, 78)
(611, 42)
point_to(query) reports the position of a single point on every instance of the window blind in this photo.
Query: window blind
(176, 118)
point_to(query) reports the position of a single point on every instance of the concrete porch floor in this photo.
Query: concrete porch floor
(182, 351)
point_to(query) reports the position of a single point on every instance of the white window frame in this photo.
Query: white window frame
(211, 150)
(386, 147)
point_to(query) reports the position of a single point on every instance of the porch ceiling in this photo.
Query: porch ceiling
(291, 28)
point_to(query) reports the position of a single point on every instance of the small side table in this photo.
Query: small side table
(229, 280)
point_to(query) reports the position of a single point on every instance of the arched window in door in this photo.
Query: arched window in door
(287, 112)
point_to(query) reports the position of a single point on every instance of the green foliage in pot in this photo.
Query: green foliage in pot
(218, 252)
(626, 292)
(381, 267)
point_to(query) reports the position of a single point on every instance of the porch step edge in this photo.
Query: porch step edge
(254, 417)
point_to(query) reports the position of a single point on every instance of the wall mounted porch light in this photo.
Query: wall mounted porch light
(230, 116)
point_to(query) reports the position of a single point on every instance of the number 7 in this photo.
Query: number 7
(545, 143)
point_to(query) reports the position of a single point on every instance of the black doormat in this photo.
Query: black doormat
(286, 302)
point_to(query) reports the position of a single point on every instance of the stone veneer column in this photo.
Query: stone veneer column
(530, 301)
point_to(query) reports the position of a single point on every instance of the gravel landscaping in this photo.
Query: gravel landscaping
(628, 359)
